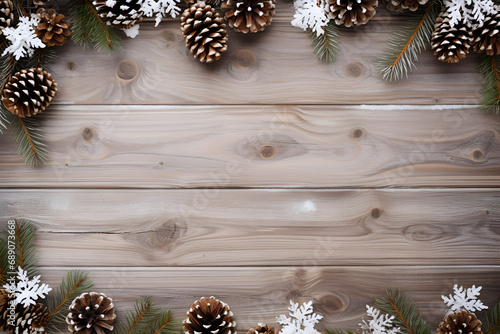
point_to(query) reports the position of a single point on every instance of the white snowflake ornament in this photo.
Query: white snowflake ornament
(160, 9)
(27, 291)
(301, 321)
(311, 14)
(465, 299)
(22, 38)
(470, 12)
(379, 324)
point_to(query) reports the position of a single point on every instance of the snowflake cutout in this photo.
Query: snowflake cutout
(301, 321)
(27, 291)
(470, 12)
(466, 299)
(311, 14)
(160, 9)
(23, 39)
(379, 324)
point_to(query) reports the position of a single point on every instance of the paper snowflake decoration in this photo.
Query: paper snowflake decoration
(301, 321)
(27, 291)
(470, 12)
(22, 38)
(379, 324)
(160, 9)
(311, 14)
(465, 299)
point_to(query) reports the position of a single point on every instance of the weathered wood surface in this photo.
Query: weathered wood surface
(259, 294)
(264, 227)
(277, 66)
(262, 146)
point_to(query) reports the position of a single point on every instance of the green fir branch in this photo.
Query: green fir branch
(405, 45)
(491, 320)
(327, 45)
(406, 315)
(25, 246)
(89, 30)
(74, 284)
(163, 324)
(29, 138)
(4, 260)
(139, 320)
(489, 67)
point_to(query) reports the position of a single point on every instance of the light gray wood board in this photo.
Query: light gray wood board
(277, 66)
(260, 294)
(262, 227)
(261, 146)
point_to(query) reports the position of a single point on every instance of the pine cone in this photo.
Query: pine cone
(460, 322)
(209, 316)
(52, 29)
(4, 309)
(404, 5)
(40, 2)
(487, 37)
(29, 92)
(248, 15)
(262, 329)
(352, 12)
(6, 14)
(450, 44)
(123, 14)
(204, 32)
(29, 320)
(91, 312)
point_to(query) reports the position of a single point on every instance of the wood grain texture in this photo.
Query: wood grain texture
(262, 146)
(277, 66)
(255, 228)
(260, 294)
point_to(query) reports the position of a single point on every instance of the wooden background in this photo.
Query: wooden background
(266, 177)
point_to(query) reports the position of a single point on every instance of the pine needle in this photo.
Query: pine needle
(25, 246)
(29, 138)
(163, 324)
(406, 315)
(139, 320)
(489, 67)
(4, 261)
(491, 323)
(327, 45)
(89, 30)
(405, 45)
(74, 284)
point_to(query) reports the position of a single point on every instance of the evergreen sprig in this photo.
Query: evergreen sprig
(89, 30)
(4, 260)
(405, 45)
(489, 67)
(327, 45)
(491, 321)
(404, 311)
(25, 246)
(163, 324)
(74, 284)
(139, 320)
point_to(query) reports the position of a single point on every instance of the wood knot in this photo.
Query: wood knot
(166, 235)
(245, 58)
(358, 133)
(376, 213)
(332, 304)
(71, 65)
(425, 232)
(267, 152)
(477, 155)
(88, 134)
(127, 70)
(354, 70)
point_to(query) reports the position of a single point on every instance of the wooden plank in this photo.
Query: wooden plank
(262, 146)
(260, 294)
(277, 66)
(240, 227)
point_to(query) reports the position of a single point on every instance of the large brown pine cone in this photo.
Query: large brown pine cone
(450, 44)
(248, 15)
(460, 322)
(262, 329)
(486, 37)
(29, 92)
(352, 12)
(4, 308)
(122, 14)
(204, 32)
(91, 312)
(404, 5)
(29, 320)
(209, 316)
(52, 29)
(6, 14)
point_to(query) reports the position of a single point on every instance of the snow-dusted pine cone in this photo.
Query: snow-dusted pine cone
(122, 14)
(4, 309)
(29, 92)
(352, 12)
(404, 5)
(248, 15)
(450, 44)
(209, 316)
(262, 329)
(29, 320)
(53, 29)
(204, 32)
(486, 37)
(460, 322)
(91, 312)
(6, 14)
